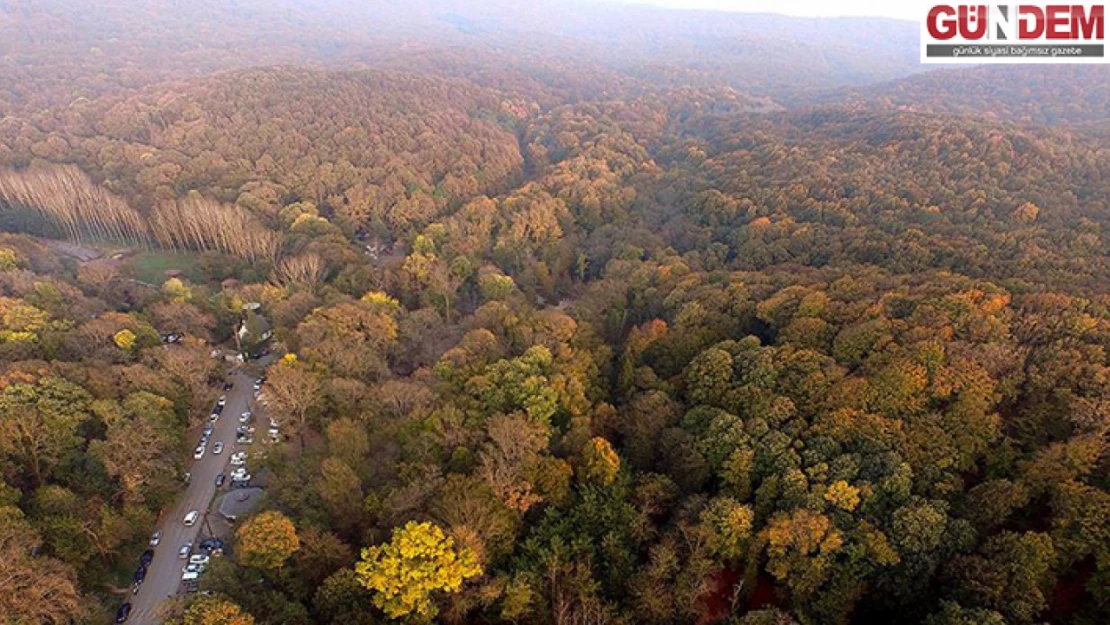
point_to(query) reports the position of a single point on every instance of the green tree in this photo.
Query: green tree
(952, 613)
(41, 423)
(1010, 574)
(729, 528)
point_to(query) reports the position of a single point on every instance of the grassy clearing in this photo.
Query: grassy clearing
(151, 266)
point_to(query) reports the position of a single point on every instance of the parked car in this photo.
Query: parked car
(245, 417)
(214, 417)
(211, 544)
(198, 453)
(238, 458)
(192, 568)
(220, 479)
(189, 576)
(241, 484)
(218, 448)
(191, 518)
(239, 479)
(185, 550)
(229, 385)
(258, 384)
(208, 428)
(140, 575)
(222, 401)
(147, 557)
(200, 559)
(123, 612)
(155, 538)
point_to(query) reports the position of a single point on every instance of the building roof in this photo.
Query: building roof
(255, 325)
(239, 502)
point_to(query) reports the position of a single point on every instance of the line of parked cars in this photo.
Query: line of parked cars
(124, 611)
(196, 563)
(209, 428)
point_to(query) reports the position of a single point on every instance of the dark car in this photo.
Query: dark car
(228, 386)
(123, 612)
(209, 544)
(147, 557)
(220, 479)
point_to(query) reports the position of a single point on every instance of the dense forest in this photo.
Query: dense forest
(572, 330)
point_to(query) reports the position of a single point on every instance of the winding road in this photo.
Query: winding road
(163, 579)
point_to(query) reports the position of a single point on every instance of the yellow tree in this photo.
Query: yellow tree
(267, 540)
(418, 561)
(800, 546)
(600, 464)
(216, 611)
(176, 291)
(842, 495)
(125, 339)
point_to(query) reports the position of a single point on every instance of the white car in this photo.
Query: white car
(192, 568)
(246, 477)
(222, 402)
(198, 453)
(258, 384)
(238, 458)
(185, 550)
(238, 472)
(246, 416)
(218, 448)
(199, 559)
(155, 538)
(189, 576)
(191, 518)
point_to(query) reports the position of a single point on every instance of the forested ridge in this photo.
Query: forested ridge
(568, 339)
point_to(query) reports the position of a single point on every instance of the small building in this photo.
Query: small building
(254, 332)
(239, 502)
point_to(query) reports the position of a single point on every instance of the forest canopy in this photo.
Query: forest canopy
(567, 330)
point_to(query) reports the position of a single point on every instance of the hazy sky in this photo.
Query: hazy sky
(902, 9)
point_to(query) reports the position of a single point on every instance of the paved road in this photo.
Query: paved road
(163, 577)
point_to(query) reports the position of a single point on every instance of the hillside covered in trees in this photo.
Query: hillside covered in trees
(576, 332)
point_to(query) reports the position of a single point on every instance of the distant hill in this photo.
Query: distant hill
(1058, 94)
(54, 51)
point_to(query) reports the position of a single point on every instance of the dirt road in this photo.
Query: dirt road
(163, 578)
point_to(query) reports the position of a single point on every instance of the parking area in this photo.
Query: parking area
(193, 531)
